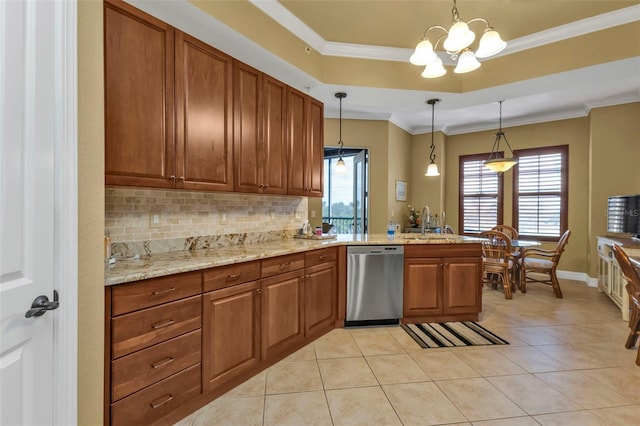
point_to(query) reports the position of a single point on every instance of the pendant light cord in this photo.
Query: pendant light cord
(340, 95)
(432, 102)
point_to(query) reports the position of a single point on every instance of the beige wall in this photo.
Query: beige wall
(90, 214)
(373, 135)
(428, 190)
(575, 133)
(399, 163)
(614, 164)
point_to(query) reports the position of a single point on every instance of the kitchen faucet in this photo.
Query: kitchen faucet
(424, 218)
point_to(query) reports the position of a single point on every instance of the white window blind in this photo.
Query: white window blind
(481, 195)
(540, 192)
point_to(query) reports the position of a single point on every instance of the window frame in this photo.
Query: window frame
(564, 189)
(500, 195)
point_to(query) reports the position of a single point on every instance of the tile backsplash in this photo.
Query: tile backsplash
(149, 215)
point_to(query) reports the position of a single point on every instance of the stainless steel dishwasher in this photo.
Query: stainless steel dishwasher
(374, 284)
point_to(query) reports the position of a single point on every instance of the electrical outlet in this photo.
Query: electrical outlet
(154, 219)
(313, 213)
(297, 215)
(272, 215)
(223, 218)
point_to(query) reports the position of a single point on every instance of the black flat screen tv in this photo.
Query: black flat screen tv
(623, 215)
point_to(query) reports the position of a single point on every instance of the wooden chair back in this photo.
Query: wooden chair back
(509, 231)
(628, 270)
(496, 259)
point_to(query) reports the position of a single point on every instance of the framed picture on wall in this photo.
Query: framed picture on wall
(401, 190)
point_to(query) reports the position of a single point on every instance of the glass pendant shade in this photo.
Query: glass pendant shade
(432, 170)
(434, 69)
(500, 165)
(423, 54)
(340, 168)
(490, 44)
(459, 37)
(467, 62)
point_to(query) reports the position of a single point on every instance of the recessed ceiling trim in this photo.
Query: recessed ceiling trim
(297, 27)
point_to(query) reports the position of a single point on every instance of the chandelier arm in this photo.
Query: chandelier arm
(481, 20)
(434, 27)
(507, 142)
(495, 148)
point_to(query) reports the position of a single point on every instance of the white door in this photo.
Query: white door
(31, 107)
(360, 227)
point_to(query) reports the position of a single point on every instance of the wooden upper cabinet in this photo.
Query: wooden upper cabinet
(315, 148)
(296, 124)
(305, 121)
(247, 127)
(260, 143)
(139, 134)
(274, 136)
(204, 151)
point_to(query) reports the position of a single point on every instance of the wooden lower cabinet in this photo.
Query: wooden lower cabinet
(440, 288)
(320, 299)
(282, 313)
(422, 287)
(175, 343)
(231, 340)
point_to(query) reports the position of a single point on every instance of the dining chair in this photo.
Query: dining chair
(630, 274)
(542, 261)
(496, 259)
(509, 231)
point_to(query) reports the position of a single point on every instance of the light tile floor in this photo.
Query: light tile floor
(566, 365)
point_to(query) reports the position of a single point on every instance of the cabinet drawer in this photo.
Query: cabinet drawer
(143, 368)
(144, 294)
(224, 276)
(138, 330)
(316, 257)
(156, 401)
(282, 264)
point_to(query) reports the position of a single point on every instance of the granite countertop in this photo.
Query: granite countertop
(161, 264)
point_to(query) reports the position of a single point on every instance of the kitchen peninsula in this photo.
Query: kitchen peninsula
(182, 328)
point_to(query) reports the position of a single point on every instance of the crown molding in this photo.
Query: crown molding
(297, 27)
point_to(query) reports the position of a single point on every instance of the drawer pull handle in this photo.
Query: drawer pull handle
(161, 401)
(285, 265)
(234, 277)
(162, 324)
(163, 362)
(161, 292)
(322, 258)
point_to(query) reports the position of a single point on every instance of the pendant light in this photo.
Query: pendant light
(340, 167)
(495, 163)
(432, 168)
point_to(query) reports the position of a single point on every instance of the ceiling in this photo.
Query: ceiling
(563, 58)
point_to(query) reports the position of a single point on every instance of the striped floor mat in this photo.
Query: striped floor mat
(450, 334)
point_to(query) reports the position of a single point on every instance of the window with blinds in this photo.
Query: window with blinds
(480, 203)
(540, 189)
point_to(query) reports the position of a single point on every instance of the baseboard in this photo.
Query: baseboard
(578, 276)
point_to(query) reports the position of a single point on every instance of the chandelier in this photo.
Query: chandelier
(456, 43)
(494, 162)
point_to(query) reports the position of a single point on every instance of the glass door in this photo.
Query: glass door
(360, 193)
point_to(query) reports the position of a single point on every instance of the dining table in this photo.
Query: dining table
(518, 246)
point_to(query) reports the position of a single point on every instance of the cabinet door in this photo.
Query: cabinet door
(617, 283)
(139, 135)
(320, 298)
(204, 151)
(604, 273)
(315, 148)
(274, 136)
(462, 292)
(231, 333)
(282, 313)
(247, 139)
(422, 287)
(296, 135)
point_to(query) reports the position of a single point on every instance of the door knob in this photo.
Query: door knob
(41, 304)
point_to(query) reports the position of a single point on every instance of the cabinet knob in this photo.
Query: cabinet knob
(182, 178)
(266, 186)
(172, 177)
(258, 290)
